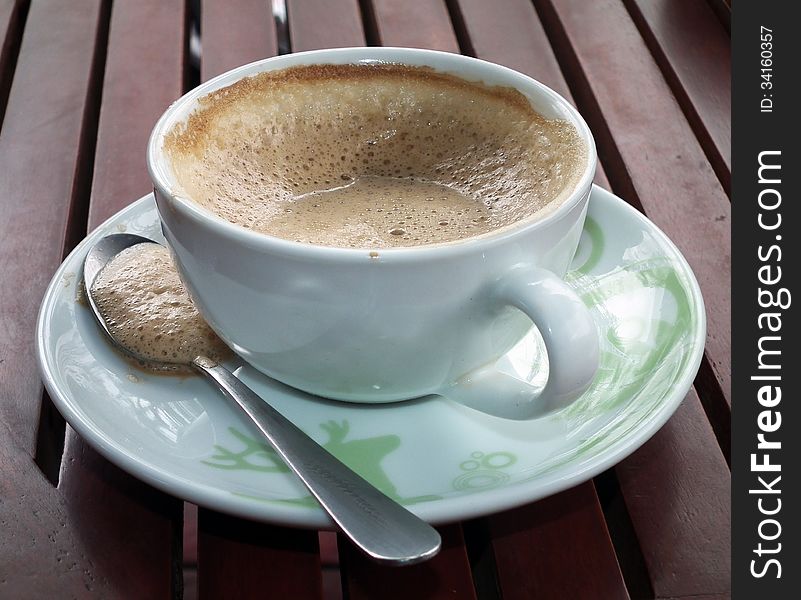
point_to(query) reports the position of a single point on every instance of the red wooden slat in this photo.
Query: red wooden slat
(658, 161)
(661, 164)
(42, 552)
(329, 559)
(414, 23)
(234, 33)
(556, 548)
(40, 146)
(143, 74)
(48, 548)
(131, 530)
(424, 24)
(235, 558)
(9, 28)
(190, 551)
(11, 25)
(241, 559)
(677, 489)
(510, 34)
(447, 575)
(694, 52)
(317, 24)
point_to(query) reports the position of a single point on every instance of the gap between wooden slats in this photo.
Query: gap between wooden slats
(12, 23)
(694, 52)
(722, 9)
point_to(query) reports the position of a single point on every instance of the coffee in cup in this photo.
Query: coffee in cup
(373, 156)
(394, 317)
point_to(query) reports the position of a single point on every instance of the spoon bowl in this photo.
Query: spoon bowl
(380, 527)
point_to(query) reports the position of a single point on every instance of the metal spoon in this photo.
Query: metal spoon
(378, 525)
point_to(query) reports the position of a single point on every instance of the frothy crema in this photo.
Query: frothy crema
(148, 310)
(372, 156)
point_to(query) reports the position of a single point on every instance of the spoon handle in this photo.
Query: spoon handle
(381, 527)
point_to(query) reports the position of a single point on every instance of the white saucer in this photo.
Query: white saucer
(444, 461)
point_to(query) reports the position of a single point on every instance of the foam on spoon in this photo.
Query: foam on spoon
(148, 310)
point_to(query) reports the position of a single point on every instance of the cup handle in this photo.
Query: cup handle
(571, 340)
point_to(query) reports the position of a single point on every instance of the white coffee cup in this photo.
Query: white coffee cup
(400, 323)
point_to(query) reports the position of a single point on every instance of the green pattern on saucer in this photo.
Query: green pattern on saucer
(482, 471)
(640, 357)
(362, 455)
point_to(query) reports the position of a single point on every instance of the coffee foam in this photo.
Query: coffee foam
(256, 152)
(147, 309)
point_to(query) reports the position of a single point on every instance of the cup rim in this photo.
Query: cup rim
(164, 184)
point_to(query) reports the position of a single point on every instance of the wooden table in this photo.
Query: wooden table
(81, 84)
